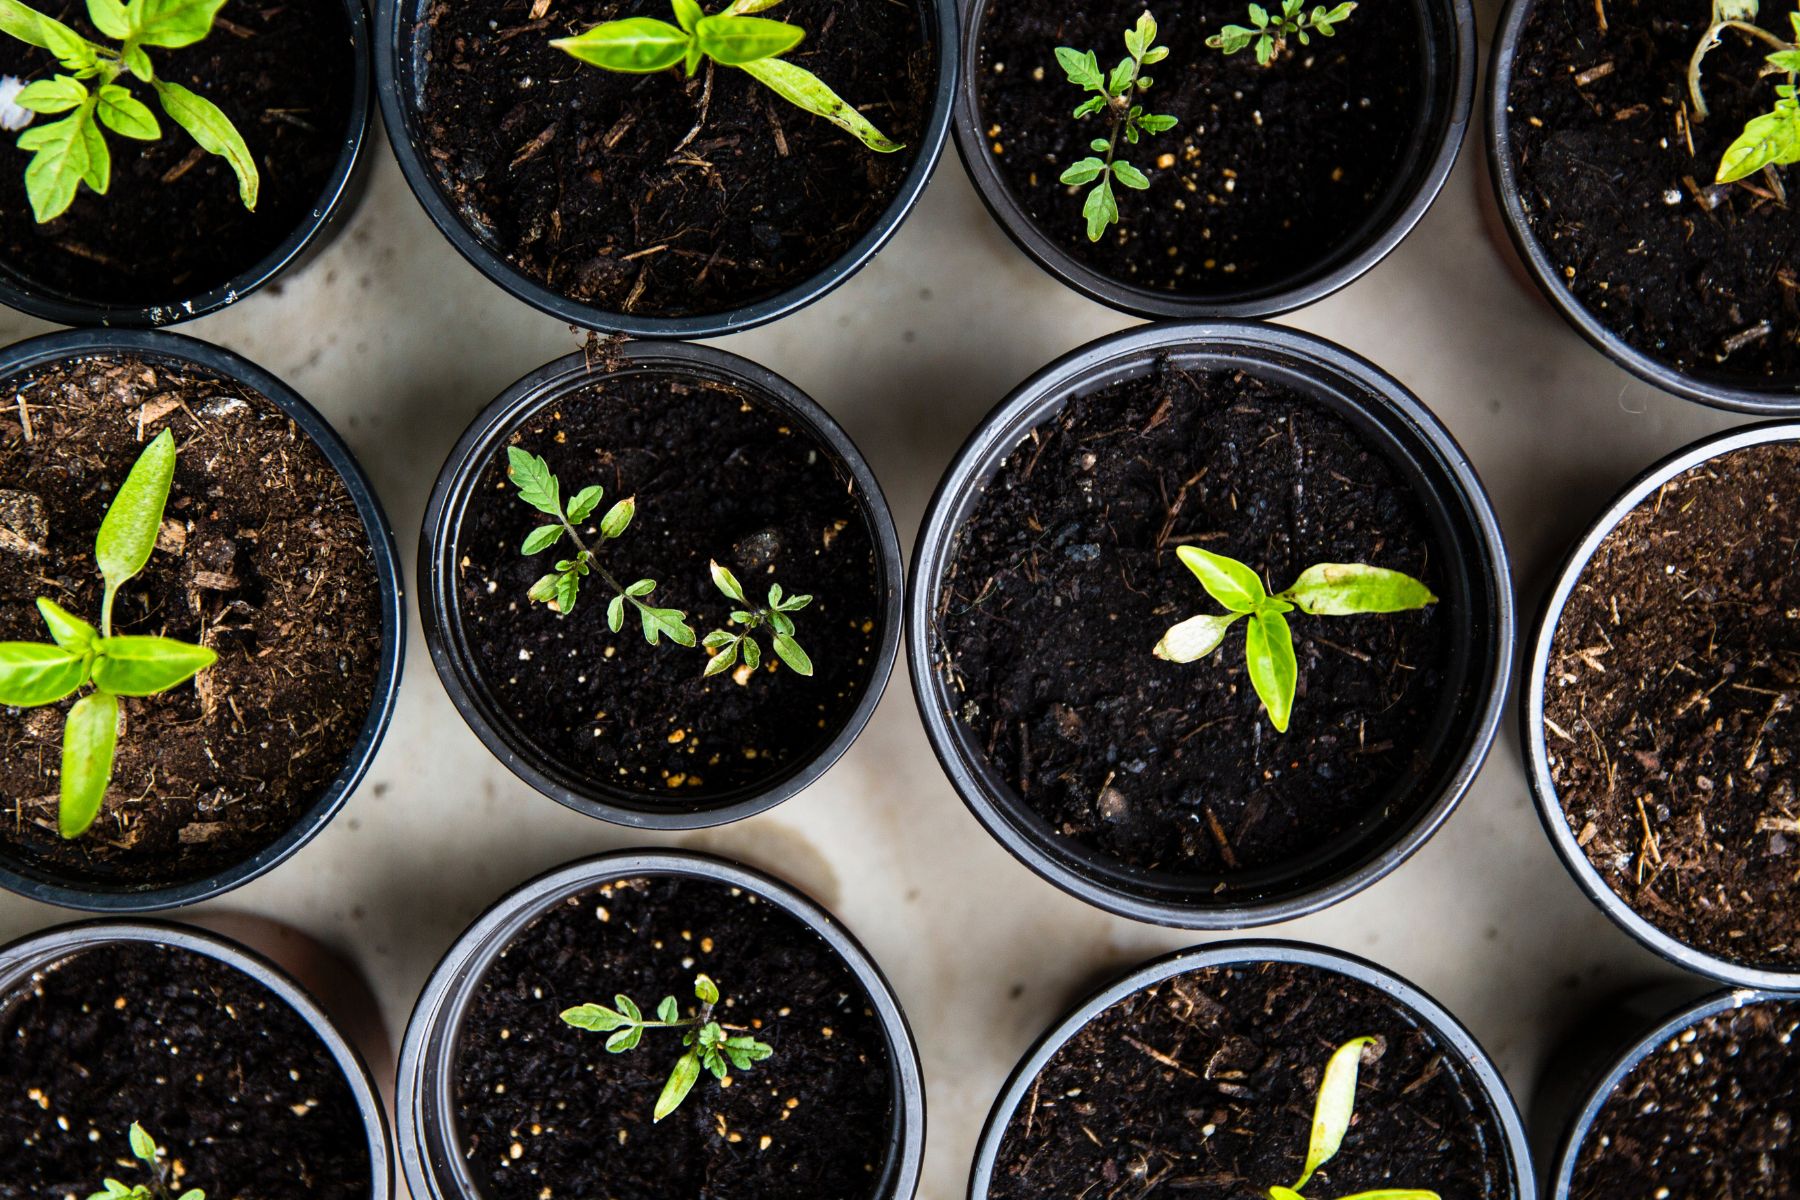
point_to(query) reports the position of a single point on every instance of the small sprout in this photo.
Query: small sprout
(709, 1044)
(1332, 1110)
(1323, 590)
(1771, 139)
(33, 674)
(155, 1160)
(725, 645)
(1115, 94)
(74, 151)
(729, 38)
(1270, 32)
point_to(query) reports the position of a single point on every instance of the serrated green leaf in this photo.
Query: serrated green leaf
(59, 163)
(665, 622)
(145, 666)
(595, 1018)
(1226, 580)
(90, 735)
(1194, 638)
(585, 502)
(1100, 209)
(1345, 589)
(214, 133)
(808, 92)
(726, 582)
(128, 531)
(634, 46)
(789, 651)
(1232, 38)
(1334, 1106)
(618, 518)
(537, 484)
(1274, 672)
(66, 629)
(681, 1082)
(1082, 67)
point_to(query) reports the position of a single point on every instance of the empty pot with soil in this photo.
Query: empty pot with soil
(1276, 165)
(1055, 605)
(661, 584)
(1610, 128)
(1660, 716)
(1256, 1068)
(647, 167)
(172, 159)
(238, 1082)
(200, 623)
(777, 1063)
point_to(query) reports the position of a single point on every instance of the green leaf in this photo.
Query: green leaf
(90, 735)
(1122, 75)
(668, 1011)
(642, 587)
(625, 1005)
(1768, 140)
(1155, 56)
(1194, 638)
(1387, 1194)
(126, 115)
(615, 613)
(1156, 123)
(138, 63)
(1344, 589)
(537, 485)
(60, 161)
(66, 629)
(1282, 1193)
(713, 1061)
(33, 674)
(792, 603)
(191, 1194)
(688, 13)
(541, 539)
(214, 133)
(807, 91)
(584, 503)
(665, 622)
(145, 666)
(735, 41)
(635, 46)
(595, 1018)
(128, 531)
(1259, 16)
(1101, 210)
(98, 175)
(171, 23)
(752, 653)
(47, 33)
(705, 990)
(1085, 171)
(1231, 38)
(1787, 60)
(789, 651)
(57, 94)
(1265, 50)
(618, 518)
(568, 590)
(1226, 580)
(723, 657)
(1335, 1105)
(1274, 672)
(1130, 176)
(726, 582)
(782, 623)
(143, 1146)
(1082, 68)
(625, 1039)
(681, 1082)
(1091, 105)
(110, 18)
(544, 590)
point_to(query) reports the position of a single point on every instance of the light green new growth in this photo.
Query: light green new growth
(1772, 139)
(1115, 95)
(539, 487)
(1269, 33)
(162, 1174)
(73, 151)
(709, 1044)
(726, 645)
(1332, 1110)
(730, 38)
(33, 674)
(1323, 590)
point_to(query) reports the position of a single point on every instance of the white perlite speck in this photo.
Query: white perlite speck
(12, 117)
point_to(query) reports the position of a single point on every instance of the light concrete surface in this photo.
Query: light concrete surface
(400, 344)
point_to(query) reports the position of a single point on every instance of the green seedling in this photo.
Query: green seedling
(1116, 95)
(728, 38)
(726, 645)
(1771, 139)
(1269, 32)
(162, 1184)
(1332, 1111)
(93, 91)
(709, 1044)
(33, 674)
(1323, 590)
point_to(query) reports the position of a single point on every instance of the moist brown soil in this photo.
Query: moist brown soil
(1615, 178)
(1709, 1115)
(1065, 577)
(172, 225)
(542, 1108)
(228, 1078)
(1270, 171)
(262, 557)
(657, 194)
(1203, 1086)
(1669, 707)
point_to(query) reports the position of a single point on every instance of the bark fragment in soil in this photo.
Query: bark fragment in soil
(1672, 707)
(1203, 1086)
(541, 1106)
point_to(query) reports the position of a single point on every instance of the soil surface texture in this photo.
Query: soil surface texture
(1615, 175)
(543, 1107)
(1670, 708)
(262, 557)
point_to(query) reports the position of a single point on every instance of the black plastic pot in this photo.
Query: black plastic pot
(1477, 590)
(40, 882)
(330, 213)
(431, 1156)
(1537, 761)
(441, 614)
(1449, 42)
(1767, 398)
(21, 959)
(1432, 1015)
(402, 59)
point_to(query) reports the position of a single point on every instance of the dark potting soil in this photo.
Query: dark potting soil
(657, 194)
(542, 1108)
(1669, 707)
(1271, 170)
(717, 475)
(1203, 1086)
(1616, 180)
(1708, 1115)
(262, 557)
(172, 224)
(228, 1078)
(1066, 576)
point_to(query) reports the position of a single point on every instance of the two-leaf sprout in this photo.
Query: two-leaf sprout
(1269, 32)
(710, 1045)
(1115, 94)
(73, 151)
(33, 674)
(1771, 139)
(1333, 1108)
(162, 1174)
(1322, 590)
(730, 38)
